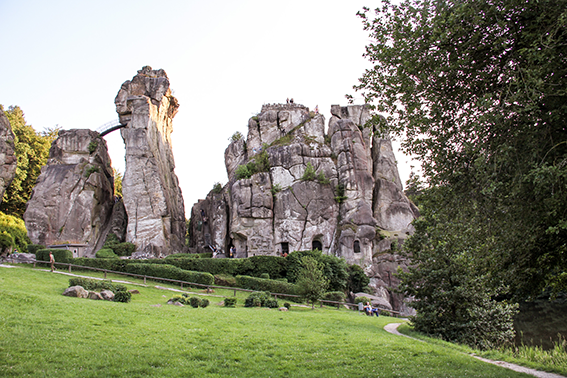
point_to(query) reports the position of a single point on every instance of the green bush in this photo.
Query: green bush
(33, 248)
(225, 280)
(265, 276)
(335, 296)
(195, 302)
(230, 302)
(15, 227)
(6, 241)
(259, 163)
(96, 285)
(357, 280)
(179, 299)
(361, 299)
(60, 255)
(105, 253)
(287, 305)
(261, 299)
(169, 271)
(124, 249)
(334, 268)
(122, 296)
(254, 283)
(205, 302)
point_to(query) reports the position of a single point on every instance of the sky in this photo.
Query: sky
(63, 63)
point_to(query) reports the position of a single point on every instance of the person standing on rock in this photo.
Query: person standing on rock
(52, 261)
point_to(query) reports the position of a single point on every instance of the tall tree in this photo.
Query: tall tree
(311, 284)
(32, 150)
(477, 90)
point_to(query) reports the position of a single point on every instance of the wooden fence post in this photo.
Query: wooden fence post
(105, 274)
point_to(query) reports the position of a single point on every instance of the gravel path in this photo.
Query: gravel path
(393, 329)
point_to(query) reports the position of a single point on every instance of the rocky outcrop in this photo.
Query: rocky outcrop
(294, 187)
(74, 194)
(8, 160)
(152, 197)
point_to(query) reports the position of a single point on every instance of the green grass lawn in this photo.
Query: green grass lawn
(44, 334)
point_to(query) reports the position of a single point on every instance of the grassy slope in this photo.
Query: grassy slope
(44, 334)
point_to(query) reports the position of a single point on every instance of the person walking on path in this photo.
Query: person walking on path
(52, 261)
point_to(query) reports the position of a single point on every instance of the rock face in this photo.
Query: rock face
(8, 160)
(152, 197)
(74, 194)
(294, 187)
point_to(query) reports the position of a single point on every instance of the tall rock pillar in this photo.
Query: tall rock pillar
(152, 197)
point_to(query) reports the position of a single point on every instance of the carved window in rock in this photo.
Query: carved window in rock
(356, 246)
(285, 248)
(316, 244)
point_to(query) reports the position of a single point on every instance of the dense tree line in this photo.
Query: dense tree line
(477, 91)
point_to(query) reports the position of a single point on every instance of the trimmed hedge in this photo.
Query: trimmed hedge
(60, 255)
(105, 253)
(33, 248)
(261, 284)
(171, 272)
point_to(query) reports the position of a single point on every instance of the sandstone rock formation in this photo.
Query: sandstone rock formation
(292, 186)
(8, 160)
(74, 194)
(76, 292)
(152, 197)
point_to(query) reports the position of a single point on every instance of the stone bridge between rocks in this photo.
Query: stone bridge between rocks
(109, 127)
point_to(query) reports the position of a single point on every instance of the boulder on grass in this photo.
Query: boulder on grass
(94, 295)
(76, 291)
(107, 295)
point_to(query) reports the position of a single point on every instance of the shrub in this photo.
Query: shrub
(96, 285)
(225, 280)
(335, 296)
(236, 136)
(33, 248)
(340, 193)
(287, 305)
(260, 299)
(230, 302)
(92, 147)
(169, 271)
(309, 173)
(276, 188)
(122, 296)
(195, 302)
(91, 170)
(179, 299)
(243, 172)
(205, 302)
(124, 249)
(361, 299)
(60, 255)
(105, 253)
(15, 227)
(357, 280)
(254, 283)
(6, 241)
(217, 188)
(260, 163)
(265, 276)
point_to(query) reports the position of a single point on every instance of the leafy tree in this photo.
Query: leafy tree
(311, 284)
(118, 176)
(15, 228)
(334, 269)
(357, 280)
(478, 92)
(32, 150)
(453, 295)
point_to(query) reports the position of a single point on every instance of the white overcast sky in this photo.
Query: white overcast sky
(63, 62)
